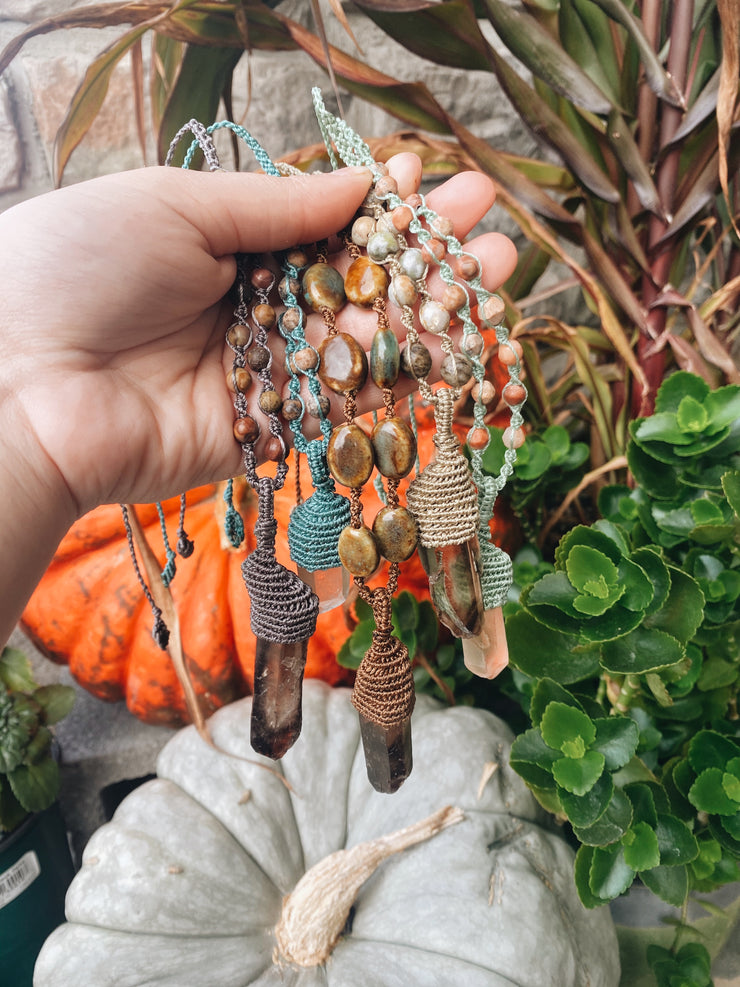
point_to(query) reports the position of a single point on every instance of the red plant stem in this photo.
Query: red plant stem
(662, 256)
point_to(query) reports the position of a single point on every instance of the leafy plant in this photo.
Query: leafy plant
(29, 773)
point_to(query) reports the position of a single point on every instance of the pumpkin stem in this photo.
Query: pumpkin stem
(316, 910)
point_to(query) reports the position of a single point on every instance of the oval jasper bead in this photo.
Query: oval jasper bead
(385, 358)
(364, 282)
(343, 363)
(395, 447)
(358, 551)
(395, 533)
(349, 455)
(323, 287)
(403, 291)
(456, 370)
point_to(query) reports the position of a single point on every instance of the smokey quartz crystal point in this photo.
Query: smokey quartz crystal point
(277, 704)
(388, 755)
(454, 585)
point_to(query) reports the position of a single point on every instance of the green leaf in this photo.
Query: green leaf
(611, 825)
(543, 653)
(589, 808)
(661, 427)
(709, 749)
(406, 612)
(427, 629)
(12, 812)
(657, 573)
(535, 463)
(642, 650)
(354, 648)
(582, 874)
(616, 738)
(36, 786)
(671, 884)
(691, 415)
(641, 847)
(676, 841)
(675, 388)
(557, 440)
(15, 671)
(56, 701)
(532, 759)
(562, 723)
(708, 794)
(578, 775)
(682, 613)
(638, 590)
(610, 875)
(591, 537)
(643, 803)
(590, 571)
(545, 692)
(731, 487)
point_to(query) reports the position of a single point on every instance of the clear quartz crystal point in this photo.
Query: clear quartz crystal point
(487, 653)
(454, 585)
(387, 753)
(276, 707)
(330, 585)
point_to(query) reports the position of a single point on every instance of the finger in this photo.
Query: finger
(465, 199)
(407, 170)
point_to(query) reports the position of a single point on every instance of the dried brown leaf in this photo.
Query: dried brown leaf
(729, 12)
(137, 72)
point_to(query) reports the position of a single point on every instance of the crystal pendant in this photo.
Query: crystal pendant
(330, 585)
(387, 753)
(454, 585)
(487, 653)
(278, 686)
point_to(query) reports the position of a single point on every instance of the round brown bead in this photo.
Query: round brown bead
(364, 282)
(386, 186)
(343, 363)
(396, 533)
(292, 409)
(510, 353)
(246, 429)
(454, 297)
(262, 278)
(478, 438)
(484, 392)
(362, 229)
(358, 551)
(513, 437)
(258, 358)
(433, 248)
(275, 449)
(401, 218)
(241, 376)
(472, 343)
(416, 360)
(297, 258)
(514, 394)
(264, 315)
(349, 455)
(291, 319)
(443, 225)
(318, 407)
(305, 359)
(456, 370)
(238, 335)
(468, 267)
(289, 286)
(413, 200)
(270, 402)
(394, 445)
(492, 311)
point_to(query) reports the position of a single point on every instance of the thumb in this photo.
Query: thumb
(241, 212)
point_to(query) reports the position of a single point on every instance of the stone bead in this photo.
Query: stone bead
(291, 319)
(343, 363)
(401, 218)
(369, 204)
(412, 263)
(385, 222)
(513, 437)
(323, 287)
(434, 249)
(275, 449)
(478, 438)
(238, 335)
(456, 370)
(258, 358)
(270, 402)
(472, 343)
(434, 317)
(413, 200)
(246, 429)
(467, 267)
(305, 359)
(385, 358)
(492, 311)
(403, 291)
(297, 258)
(264, 316)
(349, 454)
(364, 282)
(240, 377)
(382, 245)
(514, 394)
(454, 297)
(387, 185)
(292, 409)
(395, 533)
(318, 407)
(443, 225)
(362, 229)
(510, 353)
(381, 169)
(484, 392)
(358, 551)
(394, 446)
(289, 286)
(262, 278)
(416, 360)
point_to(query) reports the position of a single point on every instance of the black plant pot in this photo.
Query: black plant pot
(35, 871)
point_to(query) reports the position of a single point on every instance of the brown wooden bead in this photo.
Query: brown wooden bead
(246, 429)
(323, 287)
(262, 278)
(292, 409)
(238, 335)
(364, 282)
(510, 353)
(396, 533)
(413, 200)
(456, 370)
(454, 297)
(297, 258)
(394, 445)
(270, 402)
(343, 363)
(306, 359)
(258, 358)
(264, 315)
(349, 455)
(433, 248)
(478, 438)
(275, 449)
(467, 267)
(241, 376)
(358, 551)
(416, 360)
(513, 394)
(318, 407)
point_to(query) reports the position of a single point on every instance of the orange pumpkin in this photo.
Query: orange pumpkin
(89, 612)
